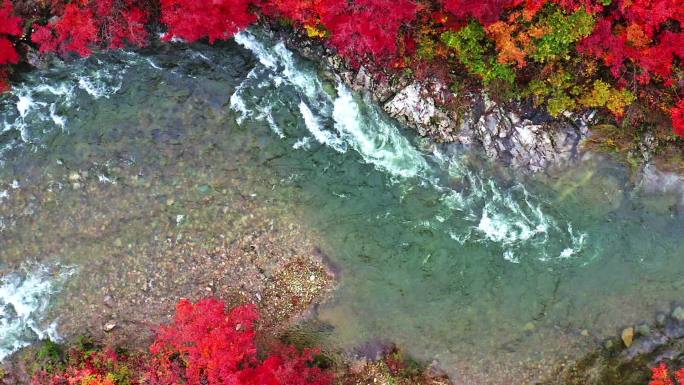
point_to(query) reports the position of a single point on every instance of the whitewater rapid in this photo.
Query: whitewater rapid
(335, 117)
(25, 295)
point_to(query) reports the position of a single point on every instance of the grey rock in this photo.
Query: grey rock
(674, 329)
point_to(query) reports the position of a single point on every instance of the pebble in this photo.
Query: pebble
(585, 332)
(109, 326)
(628, 336)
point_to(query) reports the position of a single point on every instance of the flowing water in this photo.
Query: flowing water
(440, 252)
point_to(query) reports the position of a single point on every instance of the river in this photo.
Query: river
(495, 275)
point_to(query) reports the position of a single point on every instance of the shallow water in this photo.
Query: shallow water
(440, 251)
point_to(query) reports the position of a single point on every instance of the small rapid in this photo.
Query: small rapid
(24, 299)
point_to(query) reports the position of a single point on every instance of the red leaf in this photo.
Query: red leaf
(8, 55)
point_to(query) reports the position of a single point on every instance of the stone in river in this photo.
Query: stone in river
(109, 326)
(628, 336)
(678, 314)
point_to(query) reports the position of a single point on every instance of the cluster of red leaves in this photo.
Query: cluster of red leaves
(367, 28)
(206, 345)
(638, 41)
(216, 20)
(86, 24)
(359, 29)
(660, 375)
(89, 368)
(10, 26)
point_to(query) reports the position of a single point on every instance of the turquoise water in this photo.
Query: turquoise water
(440, 251)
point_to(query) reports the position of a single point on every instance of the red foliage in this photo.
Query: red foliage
(660, 375)
(207, 345)
(677, 114)
(486, 12)
(10, 26)
(367, 28)
(86, 24)
(9, 23)
(121, 22)
(217, 20)
(8, 55)
(302, 11)
(75, 32)
(635, 33)
(679, 375)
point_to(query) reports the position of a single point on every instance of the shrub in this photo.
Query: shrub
(85, 25)
(206, 345)
(10, 28)
(660, 375)
(473, 50)
(203, 345)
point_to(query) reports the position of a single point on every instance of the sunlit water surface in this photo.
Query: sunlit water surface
(439, 251)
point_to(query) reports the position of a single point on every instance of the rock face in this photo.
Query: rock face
(518, 134)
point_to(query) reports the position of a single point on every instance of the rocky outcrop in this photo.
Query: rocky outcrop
(519, 134)
(626, 359)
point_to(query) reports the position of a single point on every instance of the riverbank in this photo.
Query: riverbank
(514, 132)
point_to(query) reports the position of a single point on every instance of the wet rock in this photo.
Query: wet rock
(646, 345)
(410, 105)
(656, 182)
(678, 314)
(674, 329)
(627, 336)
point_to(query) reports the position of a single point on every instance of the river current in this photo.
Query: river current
(440, 251)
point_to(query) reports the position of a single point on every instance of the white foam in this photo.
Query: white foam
(315, 128)
(377, 141)
(303, 143)
(24, 300)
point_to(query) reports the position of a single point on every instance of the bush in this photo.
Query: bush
(204, 345)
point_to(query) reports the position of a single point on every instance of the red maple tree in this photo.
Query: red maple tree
(10, 27)
(207, 345)
(216, 20)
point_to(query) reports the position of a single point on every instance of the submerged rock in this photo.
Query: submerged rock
(628, 336)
